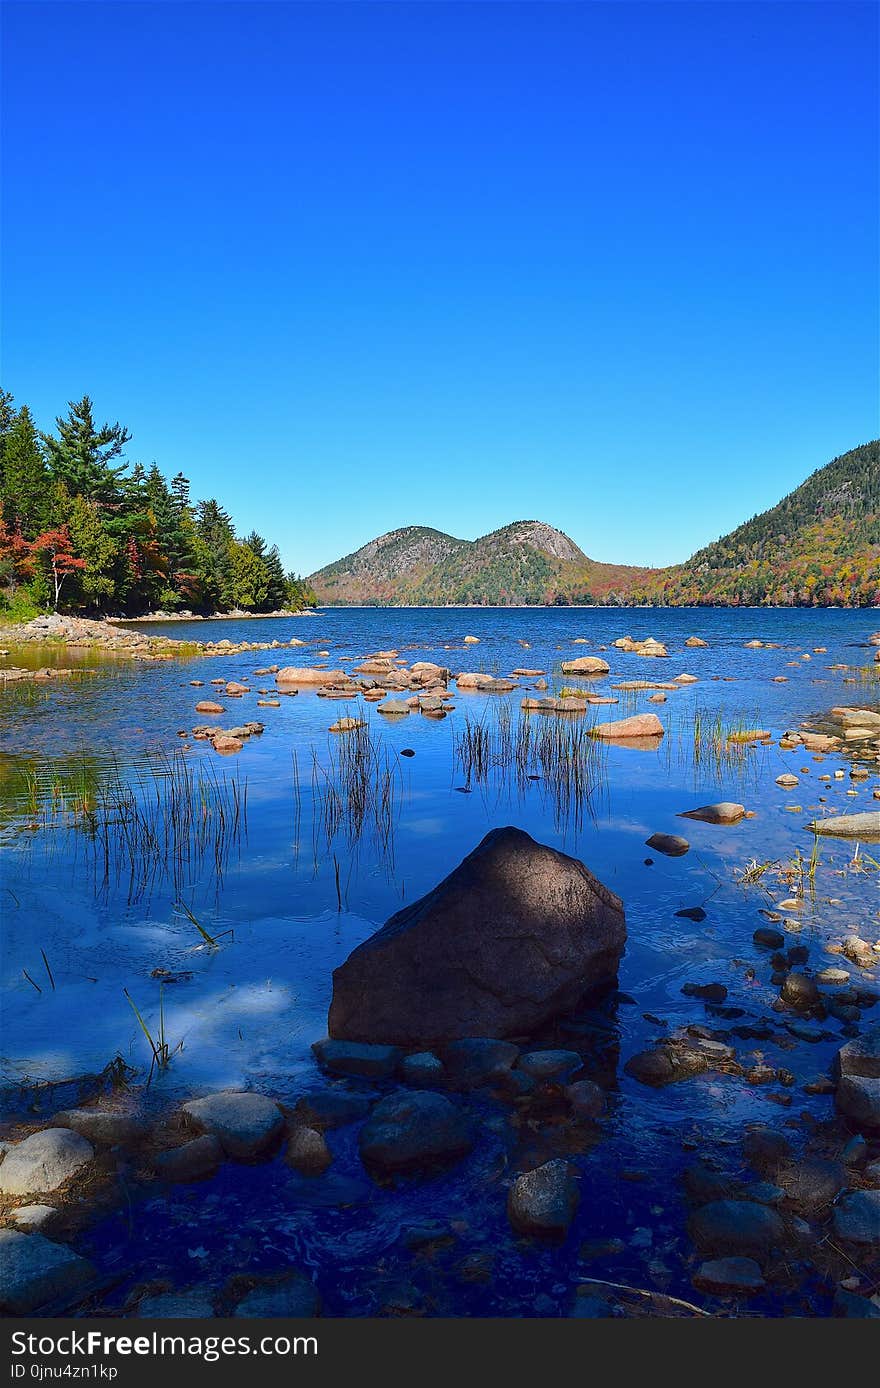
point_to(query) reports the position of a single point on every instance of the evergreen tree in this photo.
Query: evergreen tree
(25, 477)
(82, 454)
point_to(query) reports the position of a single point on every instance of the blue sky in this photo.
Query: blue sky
(355, 266)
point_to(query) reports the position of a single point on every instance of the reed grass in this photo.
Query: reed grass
(164, 822)
(554, 754)
(357, 794)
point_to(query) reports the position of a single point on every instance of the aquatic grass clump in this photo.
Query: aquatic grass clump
(557, 754)
(162, 822)
(357, 792)
(717, 746)
(159, 1045)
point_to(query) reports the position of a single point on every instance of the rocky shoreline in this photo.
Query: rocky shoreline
(111, 639)
(793, 1212)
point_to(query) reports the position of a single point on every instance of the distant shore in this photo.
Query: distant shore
(210, 617)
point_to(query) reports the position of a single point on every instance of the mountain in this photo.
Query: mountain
(819, 546)
(525, 563)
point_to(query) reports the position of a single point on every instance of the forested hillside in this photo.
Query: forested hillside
(820, 546)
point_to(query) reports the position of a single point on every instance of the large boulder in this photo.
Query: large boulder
(516, 935)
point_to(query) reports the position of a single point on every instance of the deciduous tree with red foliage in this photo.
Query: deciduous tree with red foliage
(54, 548)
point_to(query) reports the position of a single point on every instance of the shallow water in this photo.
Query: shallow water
(247, 1011)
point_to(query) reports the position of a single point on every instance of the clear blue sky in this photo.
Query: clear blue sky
(355, 266)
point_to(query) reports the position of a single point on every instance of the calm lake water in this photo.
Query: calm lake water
(289, 903)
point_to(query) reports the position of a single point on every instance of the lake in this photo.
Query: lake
(94, 923)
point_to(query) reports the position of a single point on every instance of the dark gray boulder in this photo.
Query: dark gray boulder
(516, 935)
(736, 1227)
(413, 1130)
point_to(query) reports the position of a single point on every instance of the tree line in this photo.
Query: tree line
(83, 530)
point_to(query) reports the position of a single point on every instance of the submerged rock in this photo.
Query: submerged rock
(34, 1271)
(724, 812)
(865, 825)
(245, 1124)
(622, 729)
(857, 1218)
(729, 1277)
(736, 1226)
(195, 1304)
(360, 1058)
(308, 1152)
(43, 1162)
(543, 1202)
(516, 935)
(193, 1161)
(296, 1297)
(478, 1060)
(550, 1065)
(858, 1087)
(673, 845)
(413, 1130)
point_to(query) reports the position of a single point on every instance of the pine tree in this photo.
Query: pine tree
(82, 454)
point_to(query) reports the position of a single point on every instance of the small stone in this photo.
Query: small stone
(586, 1098)
(729, 1277)
(103, 1127)
(308, 1152)
(708, 992)
(724, 812)
(331, 1108)
(543, 1202)
(799, 991)
(673, 845)
(768, 939)
(423, 1068)
(32, 1216)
